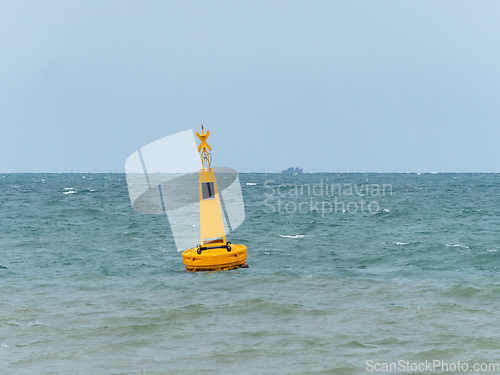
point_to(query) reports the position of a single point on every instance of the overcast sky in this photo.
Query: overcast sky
(333, 86)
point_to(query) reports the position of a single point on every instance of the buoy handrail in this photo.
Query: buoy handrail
(201, 248)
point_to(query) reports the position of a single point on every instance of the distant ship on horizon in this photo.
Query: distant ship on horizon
(292, 170)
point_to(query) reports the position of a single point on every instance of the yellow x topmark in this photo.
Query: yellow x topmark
(203, 138)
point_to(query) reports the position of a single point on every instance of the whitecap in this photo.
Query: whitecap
(492, 250)
(251, 183)
(69, 192)
(386, 210)
(288, 236)
(69, 189)
(401, 243)
(457, 245)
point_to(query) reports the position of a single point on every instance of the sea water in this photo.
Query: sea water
(344, 269)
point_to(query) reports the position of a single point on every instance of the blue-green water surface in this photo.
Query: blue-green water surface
(88, 286)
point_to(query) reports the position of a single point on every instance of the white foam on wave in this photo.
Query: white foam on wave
(69, 189)
(400, 243)
(457, 245)
(14, 323)
(288, 236)
(69, 192)
(251, 183)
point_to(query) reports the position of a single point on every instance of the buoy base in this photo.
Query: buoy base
(217, 259)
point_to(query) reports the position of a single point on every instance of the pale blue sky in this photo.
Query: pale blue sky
(334, 86)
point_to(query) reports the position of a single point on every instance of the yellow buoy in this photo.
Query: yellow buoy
(213, 253)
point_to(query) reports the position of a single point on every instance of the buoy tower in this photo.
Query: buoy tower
(213, 253)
